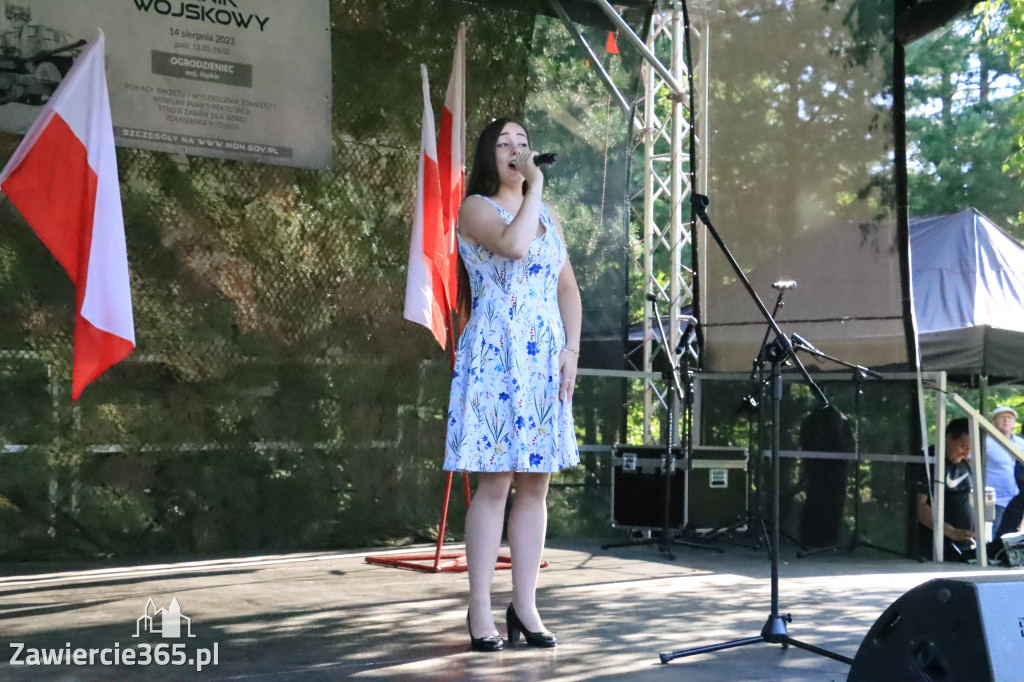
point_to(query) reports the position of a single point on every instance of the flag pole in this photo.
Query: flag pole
(459, 560)
(441, 561)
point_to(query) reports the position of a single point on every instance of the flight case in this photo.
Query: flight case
(708, 492)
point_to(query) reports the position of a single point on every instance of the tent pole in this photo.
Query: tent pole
(982, 393)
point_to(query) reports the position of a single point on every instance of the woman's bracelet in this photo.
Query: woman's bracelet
(572, 350)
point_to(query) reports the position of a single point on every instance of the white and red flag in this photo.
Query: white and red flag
(63, 180)
(451, 154)
(426, 294)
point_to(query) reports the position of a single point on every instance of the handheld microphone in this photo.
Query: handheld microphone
(784, 284)
(545, 159)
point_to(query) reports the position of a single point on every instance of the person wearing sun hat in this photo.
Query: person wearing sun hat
(999, 463)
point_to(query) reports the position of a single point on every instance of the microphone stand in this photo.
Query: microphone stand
(859, 374)
(758, 364)
(756, 372)
(676, 396)
(779, 351)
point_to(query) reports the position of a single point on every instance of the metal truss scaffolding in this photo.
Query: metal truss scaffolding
(663, 198)
(662, 129)
(662, 203)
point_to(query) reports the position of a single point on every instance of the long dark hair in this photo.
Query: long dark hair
(483, 180)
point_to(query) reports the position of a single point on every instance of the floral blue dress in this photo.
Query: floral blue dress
(504, 413)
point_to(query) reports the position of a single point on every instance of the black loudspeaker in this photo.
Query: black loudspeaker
(967, 629)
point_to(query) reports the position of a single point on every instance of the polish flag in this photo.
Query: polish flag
(426, 298)
(63, 179)
(451, 155)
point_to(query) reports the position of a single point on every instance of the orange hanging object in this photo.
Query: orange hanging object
(610, 46)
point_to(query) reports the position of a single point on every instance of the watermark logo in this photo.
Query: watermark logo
(165, 621)
(169, 623)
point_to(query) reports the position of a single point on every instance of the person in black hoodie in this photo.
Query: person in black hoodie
(959, 520)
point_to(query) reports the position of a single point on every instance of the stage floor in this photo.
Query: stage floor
(325, 616)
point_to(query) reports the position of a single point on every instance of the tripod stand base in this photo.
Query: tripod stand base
(664, 543)
(849, 548)
(773, 632)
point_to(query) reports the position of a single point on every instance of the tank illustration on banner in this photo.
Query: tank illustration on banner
(33, 57)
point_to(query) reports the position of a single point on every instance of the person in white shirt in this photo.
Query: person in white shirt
(999, 463)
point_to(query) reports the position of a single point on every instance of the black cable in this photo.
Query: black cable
(694, 255)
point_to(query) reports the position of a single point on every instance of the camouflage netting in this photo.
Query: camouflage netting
(276, 398)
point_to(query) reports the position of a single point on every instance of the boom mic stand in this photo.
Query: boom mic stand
(683, 392)
(859, 374)
(676, 396)
(781, 350)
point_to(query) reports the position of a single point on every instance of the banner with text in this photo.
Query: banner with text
(230, 79)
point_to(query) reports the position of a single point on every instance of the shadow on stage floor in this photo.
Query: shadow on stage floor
(324, 616)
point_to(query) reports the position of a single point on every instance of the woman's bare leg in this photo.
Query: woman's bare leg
(484, 522)
(527, 527)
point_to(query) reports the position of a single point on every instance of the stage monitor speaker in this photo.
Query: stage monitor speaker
(638, 489)
(717, 486)
(967, 629)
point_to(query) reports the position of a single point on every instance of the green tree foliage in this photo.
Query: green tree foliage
(1004, 24)
(799, 123)
(960, 121)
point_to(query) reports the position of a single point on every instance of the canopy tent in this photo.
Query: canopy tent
(968, 284)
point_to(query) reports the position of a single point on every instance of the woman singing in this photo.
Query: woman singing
(510, 412)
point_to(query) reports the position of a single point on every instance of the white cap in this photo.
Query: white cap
(1003, 409)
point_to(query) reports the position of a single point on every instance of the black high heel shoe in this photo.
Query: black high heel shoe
(488, 643)
(515, 626)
